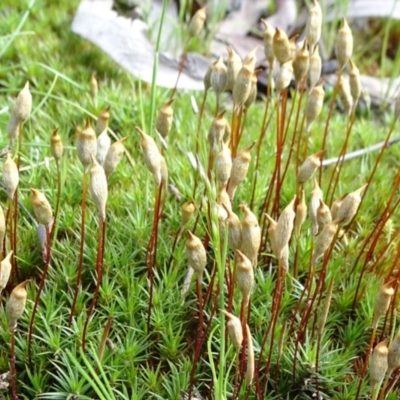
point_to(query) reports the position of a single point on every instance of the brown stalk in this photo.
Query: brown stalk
(306, 315)
(266, 335)
(15, 212)
(375, 234)
(268, 195)
(263, 130)
(381, 222)
(280, 143)
(307, 289)
(7, 220)
(339, 163)
(364, 369)
(235, 130)
(151, 253)
(181, 66)
(81, 246)
(374, 170)
(335, 92)
(13, 368)
(242, 362)
(176, 239)
(10, 222)
(37, 298)
(292, 145)
(300, 132)
(197, 152)
(199, 345)
(280, 352)
(242, 124)
(275, 313)
(199, 334)
(99, 273)
(231, 286)
(104, 337)
(57, 209)
(321, 329)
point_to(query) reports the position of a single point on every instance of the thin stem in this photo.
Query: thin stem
(181, 66)
(57, 209)
(384, 387)
(335, 92)
(37, 298)
(176, 240)
(275, 314)
(306, 315)
(339, 163)
(99, 273)
(151, 251)
(198, 148)
(14, 237)
(377, 232)
(264, 126)
(266, 335)
(10, 222)
(15, 209)
(81, 246)
(291, 149)
(12, 363)
(235, 130)
(364, 370)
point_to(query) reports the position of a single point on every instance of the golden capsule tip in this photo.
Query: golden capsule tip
(23, 284)
(88, 124)
(190, 234)
(26, 85)
(169, 102)
(122, 140)
(140, 132)
(94, 161)
(270, 219)
(227, 314)
(55, 131)
(240, 254)
(8, 256)
(221, 114)
(251, 146)
(35, 192)
(320, 154)
(361, 189)
(292, 201)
